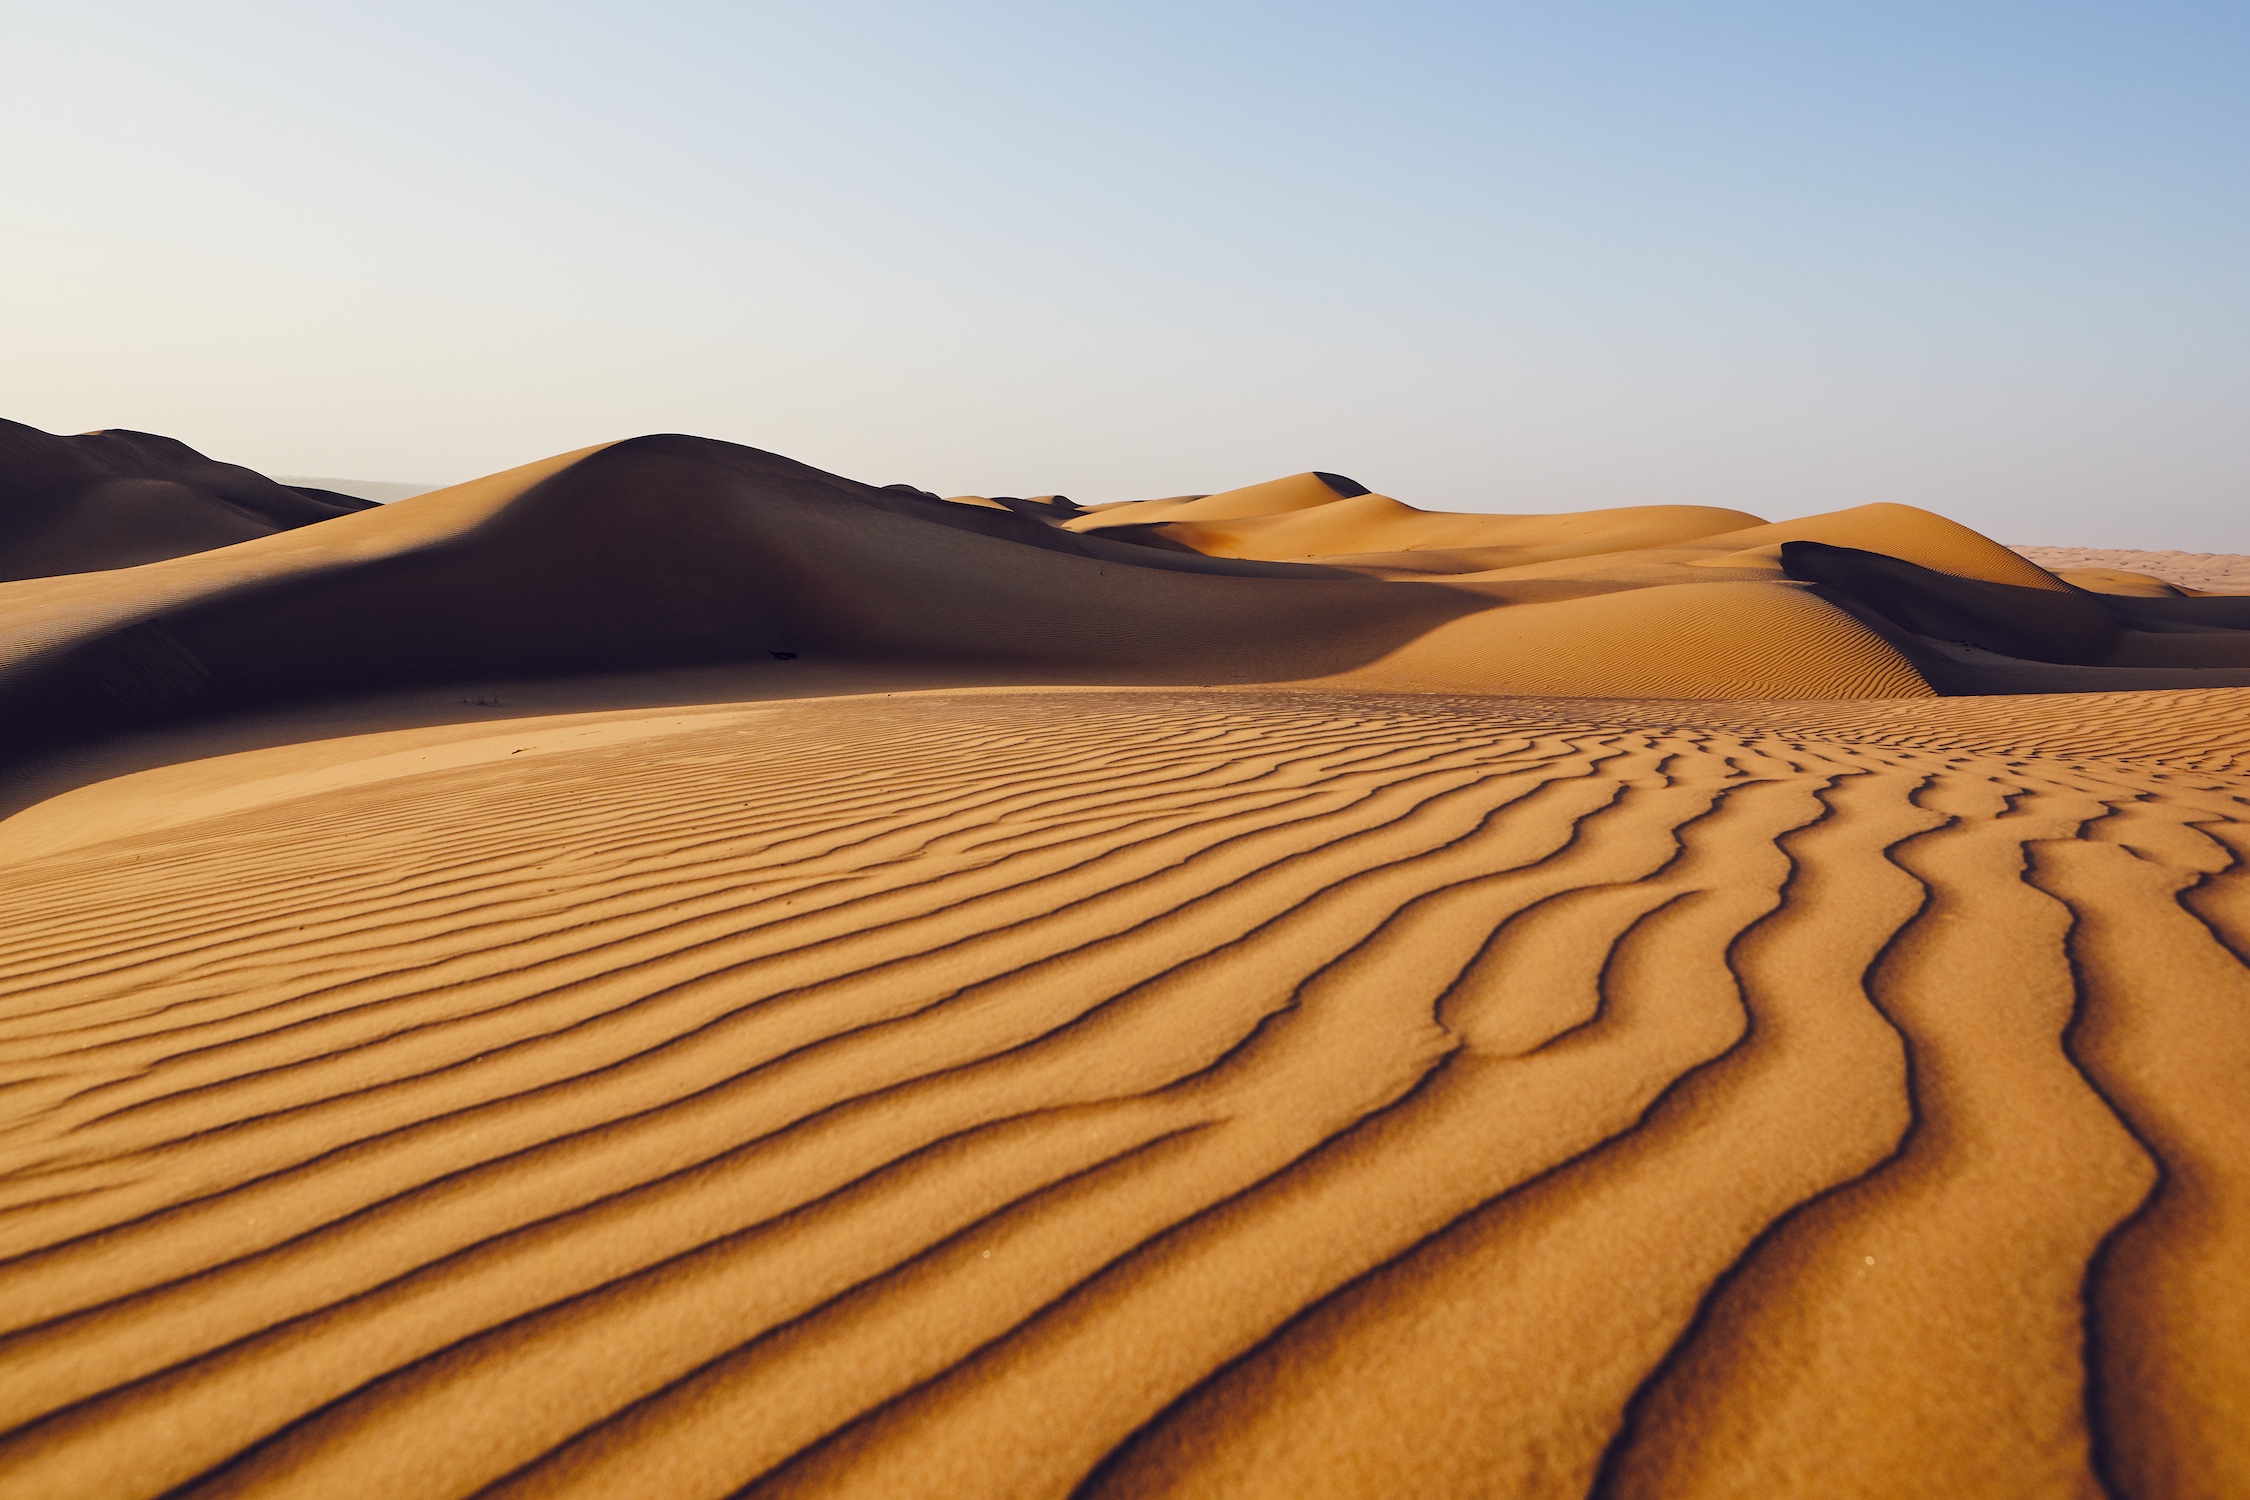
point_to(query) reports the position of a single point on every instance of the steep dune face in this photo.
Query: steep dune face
(115, 499)
(1149, 1094)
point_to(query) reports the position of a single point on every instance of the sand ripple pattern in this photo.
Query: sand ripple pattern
(1133, 1094)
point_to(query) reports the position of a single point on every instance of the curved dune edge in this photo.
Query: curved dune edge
(1145, 1093)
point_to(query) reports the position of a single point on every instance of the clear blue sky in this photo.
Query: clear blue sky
(1990, 258)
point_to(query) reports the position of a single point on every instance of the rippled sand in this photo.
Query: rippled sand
(1174, 1093)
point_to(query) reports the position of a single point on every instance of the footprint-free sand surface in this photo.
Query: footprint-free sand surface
(2213, 572)
(1073, 1003)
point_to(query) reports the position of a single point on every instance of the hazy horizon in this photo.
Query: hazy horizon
(1500, 258)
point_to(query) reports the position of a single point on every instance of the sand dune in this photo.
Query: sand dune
(2210, 572)
(983, 998)
(670, 551)
(114, 499)
(673, 551)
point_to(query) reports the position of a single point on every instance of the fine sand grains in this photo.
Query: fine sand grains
(1149, 1093)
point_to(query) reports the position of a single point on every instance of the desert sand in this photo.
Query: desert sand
(665, 972)
(111, 499)
(2194, 572)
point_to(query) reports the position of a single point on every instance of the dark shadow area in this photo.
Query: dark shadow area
(101, 500)
(1970, 637)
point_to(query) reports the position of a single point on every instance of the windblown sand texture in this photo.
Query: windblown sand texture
(666, 973)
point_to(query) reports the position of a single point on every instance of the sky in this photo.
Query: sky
(1988, 258)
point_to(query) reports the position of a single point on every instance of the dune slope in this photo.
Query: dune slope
(115, 499)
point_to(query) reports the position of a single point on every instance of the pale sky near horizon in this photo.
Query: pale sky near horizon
(1993, 259)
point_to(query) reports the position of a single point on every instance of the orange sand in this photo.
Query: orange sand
(1124, 1022)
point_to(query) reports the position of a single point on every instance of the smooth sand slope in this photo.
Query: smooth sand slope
(1179, 1025)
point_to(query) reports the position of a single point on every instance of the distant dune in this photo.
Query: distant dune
(113, 499)
(2099, 569)
(666, 972)
(380, 492)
